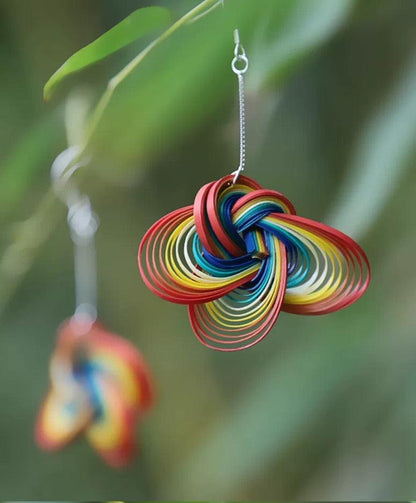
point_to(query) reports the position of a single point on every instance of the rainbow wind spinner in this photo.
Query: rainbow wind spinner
(240, 255)
(100, 386)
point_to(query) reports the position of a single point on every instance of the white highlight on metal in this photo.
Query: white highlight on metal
(83, 224)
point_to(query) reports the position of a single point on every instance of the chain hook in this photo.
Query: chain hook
(240, 55)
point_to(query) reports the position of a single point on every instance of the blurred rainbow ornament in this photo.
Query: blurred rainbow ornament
(100, 386)
(239, 255)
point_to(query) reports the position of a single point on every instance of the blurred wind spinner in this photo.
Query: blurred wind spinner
(100, 384)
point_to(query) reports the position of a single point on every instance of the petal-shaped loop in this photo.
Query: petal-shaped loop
(170, 260)
(245, 316)
(329, 271)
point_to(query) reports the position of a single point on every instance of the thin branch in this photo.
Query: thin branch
(33, 232)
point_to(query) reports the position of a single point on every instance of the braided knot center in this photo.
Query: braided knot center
(229, 219)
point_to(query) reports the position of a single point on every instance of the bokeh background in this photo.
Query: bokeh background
(324, 408)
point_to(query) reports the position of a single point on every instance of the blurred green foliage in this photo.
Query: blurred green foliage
(324, 408)
(136, 25)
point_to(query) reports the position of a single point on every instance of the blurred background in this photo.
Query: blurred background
(324, 408)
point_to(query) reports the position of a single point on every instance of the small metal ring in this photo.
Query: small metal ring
(237, 59)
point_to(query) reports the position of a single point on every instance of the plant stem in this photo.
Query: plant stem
(105, 99)
(32, 233)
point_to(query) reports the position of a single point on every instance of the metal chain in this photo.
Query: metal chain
(239, 66)
(242, 123)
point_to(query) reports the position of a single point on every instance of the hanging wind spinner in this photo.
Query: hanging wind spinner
(99, 382)
(239, 255)
(100, 386)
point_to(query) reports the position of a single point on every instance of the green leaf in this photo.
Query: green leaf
(138, 24)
